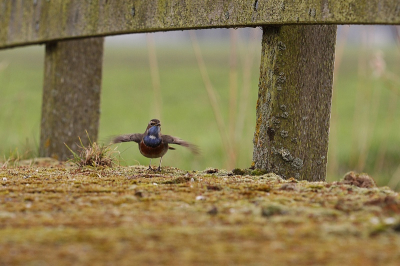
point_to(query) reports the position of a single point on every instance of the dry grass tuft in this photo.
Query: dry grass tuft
(15, 156)
(93, 155)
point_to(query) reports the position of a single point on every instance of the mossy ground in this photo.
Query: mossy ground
(57, 214)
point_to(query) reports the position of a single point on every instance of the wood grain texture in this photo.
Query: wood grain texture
(39, 21)
(71, 95)
(294, 101)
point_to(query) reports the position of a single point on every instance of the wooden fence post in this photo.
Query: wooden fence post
(71, 95)
(294, 100)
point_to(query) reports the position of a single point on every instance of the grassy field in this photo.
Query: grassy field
(365, 118)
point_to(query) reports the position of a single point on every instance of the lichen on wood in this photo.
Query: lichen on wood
(294, 101)
(32, 22)
(71, 96)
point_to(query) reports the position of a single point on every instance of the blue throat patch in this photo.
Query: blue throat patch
(152, 138)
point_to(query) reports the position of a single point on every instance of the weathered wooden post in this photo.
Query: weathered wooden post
(294, 100)
(71, 95)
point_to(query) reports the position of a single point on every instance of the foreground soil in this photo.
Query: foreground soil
(54, 214)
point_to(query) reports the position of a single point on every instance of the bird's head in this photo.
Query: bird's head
(154, 127)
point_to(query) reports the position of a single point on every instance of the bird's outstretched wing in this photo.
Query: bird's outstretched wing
(137, 137)
(174, 140)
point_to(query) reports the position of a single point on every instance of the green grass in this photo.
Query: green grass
(21, 85)
(128, 104)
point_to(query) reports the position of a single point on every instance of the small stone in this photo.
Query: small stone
(374, 220)
(200, 198)
(214, 187)
(132, 187)
(396, 227)
(213, 211)
(359, 180)
(211, 170)
(389, 220)
(139, 194)
(288, 187)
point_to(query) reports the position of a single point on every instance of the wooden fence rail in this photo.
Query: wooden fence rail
(296, 71)
(25, 22)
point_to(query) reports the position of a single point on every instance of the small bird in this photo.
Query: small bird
(152, 144)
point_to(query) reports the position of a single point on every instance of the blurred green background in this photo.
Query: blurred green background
(365, 119)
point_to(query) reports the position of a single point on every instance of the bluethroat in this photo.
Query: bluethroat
(152, 144)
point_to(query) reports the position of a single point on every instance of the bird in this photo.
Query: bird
(153, 144)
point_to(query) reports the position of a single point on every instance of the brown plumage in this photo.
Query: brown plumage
(152, 144)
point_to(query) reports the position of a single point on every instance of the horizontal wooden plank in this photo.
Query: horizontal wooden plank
(24, 22)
